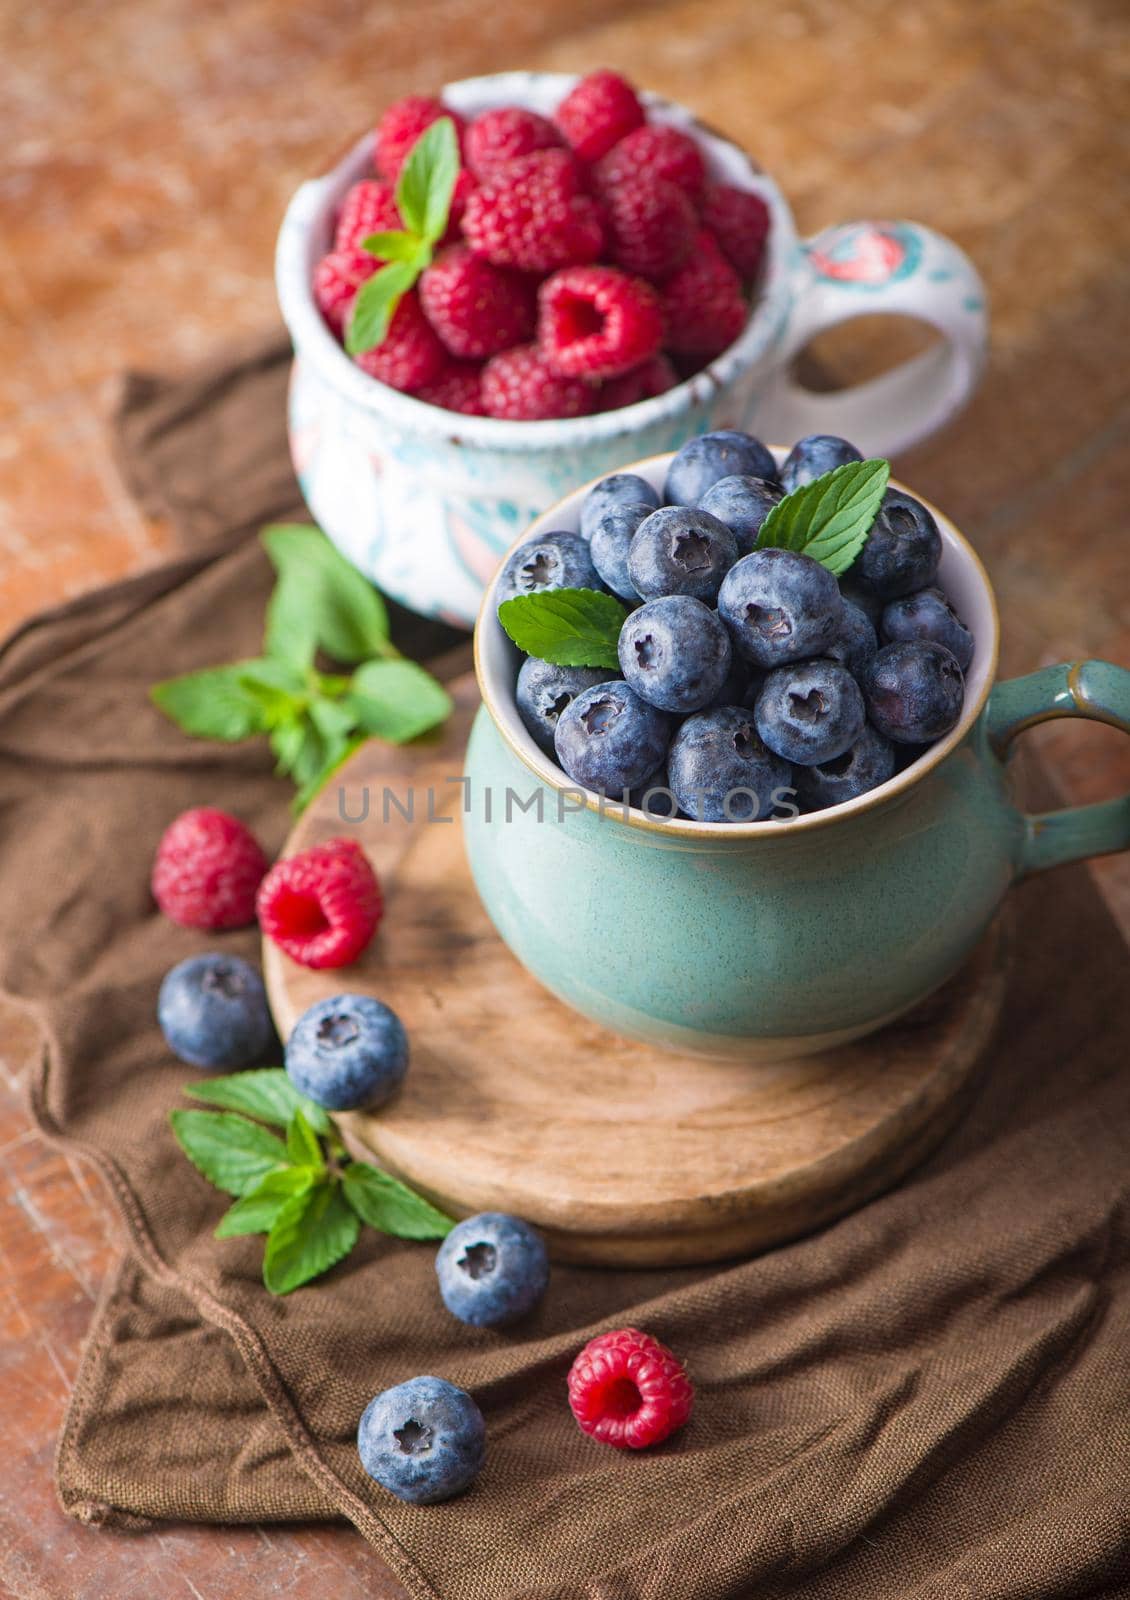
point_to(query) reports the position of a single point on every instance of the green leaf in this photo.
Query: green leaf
(320, 600)
(396, 246)
(829, 519)
(215, 704)
(569, 627)
(333, 718)
(264, 1092)
(302, 1143)
(231, 1152)
(287, 741)
(427, 180)
(397, 700)
(313, 1230)
(392, 1207)
(258, 1209)
(375, 303)
(336, 755)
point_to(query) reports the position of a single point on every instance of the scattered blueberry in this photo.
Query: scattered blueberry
(743, 504)
(544, 691)
(675, 653)
(556, 560)
(720, 771)
(809, 712)
(856, 643)
(914, 691)
(679, 550)
(609, 545)
(903, 549)
(703, 460)
(928, 615)
(780, 606)
(621, 489)
(424, 1440)
(813, 456)
(492, 1269)
(213, 1012)
(608, 739)
(347, 1052)
(870, 761)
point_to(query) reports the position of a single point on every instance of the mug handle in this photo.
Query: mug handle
(893, 269)
(1097, 691)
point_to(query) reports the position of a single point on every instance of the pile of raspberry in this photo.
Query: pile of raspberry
(589, 262)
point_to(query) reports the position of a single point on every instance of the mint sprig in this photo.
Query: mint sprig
(829, 519)
(568, 627)
(306, 1195)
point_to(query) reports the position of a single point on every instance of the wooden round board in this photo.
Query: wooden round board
(621, 1153)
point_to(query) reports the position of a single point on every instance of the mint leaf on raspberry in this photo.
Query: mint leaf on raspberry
(258, 1210)
(228, 1150)
(829, 519)
(427, 181)
(320, 600)
(216, 704)
(376, 303)
(314, 1230)
(263, 1092)
(397, 700)
(567, 627)
(390, 1206)
(393, 246)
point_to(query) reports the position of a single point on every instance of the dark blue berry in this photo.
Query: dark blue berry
(702, 461)
(928, 615)
(543, 692)
(903, 549)
(735, 685)
(780, 606)
(813, 456)
(869, 762)
(859, 595)
(621, 489)
(743, 504)
(610, 740)
(347, 1052)
(679, 550)
(856, 643)
(675, 653)
(492, 1269)
(720, 771)
(213, 1012)
(914, 691)
(424, 1441)
(654, 796)
(609, 545)
(810, 712)
(555, 560)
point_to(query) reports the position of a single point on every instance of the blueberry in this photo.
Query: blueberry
(608, 739)
(914, 691)
(654, 796)
(347, 1052)
(678, 550)
(869, 762)
(621, 489)
(856, 643)
(780, 606)
(675, 653)
(702, 461)
(869, 603)
(742, 504)
(609, 545)
(813, 456)
(810, 712)
(543, 691)
(735, 685)
(720, 771)
(424, 1441)
(928, 615)
(552, 561)
(903, 549)
(213, 1012)
(492, 1269)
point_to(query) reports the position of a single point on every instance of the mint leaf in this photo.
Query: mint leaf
(392, 1207)
(427, 181)
(375, 303)
(320, 600)
(335, 756)
(395, 246)
(215, 704)
(313, 1230)
(396, 700)
(228, 1150)
(302, 1143)
(569, 627)
(828, 519)
(264, 1092)
(287, 741)
(258, 1209)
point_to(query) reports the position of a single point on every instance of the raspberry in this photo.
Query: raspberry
(703, 303)
(651, 226)
(476, 308)
(495, 137)
(739, 220)
(321, 907)
(520, 386)
(655, 152)
(465, 187)
(628, 1390)
(400, 127)
(531, 214)
(337, 278)
(368, 208)
(410, 353)
(597, 113)
(457, 387)
(644, 382)
(596, 322)
(206, 871)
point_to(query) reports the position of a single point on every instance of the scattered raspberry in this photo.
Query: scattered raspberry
(496, 137)
(476, 308)
(400, 127)
(520, 386)
(739, 220)
(628, 1390)
(410, 353)
(642, 383)
(457, 387)
(703, 303)
(323, 906)
(368, 208)
(531, 214)
(596, 322)
(597, 113)
(337, 278)
(651, 226)
(206, 871)
(658, 153)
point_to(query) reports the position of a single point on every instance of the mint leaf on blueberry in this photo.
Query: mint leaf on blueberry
(567, 627)
(829, 519)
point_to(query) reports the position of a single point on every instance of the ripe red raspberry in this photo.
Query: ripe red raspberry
(368, 208)
(597, 113)
(703, 303)
(400, 127)
(495, 137)
(337, 278)
(651, 226)
(739, 220)
(457, 387)
(520, 386)
(596, 322)
(532, 215)
(642, 383)
(628, 1390)
(657, 152)
(476, 308)
(321, 907)
(410, 353)
(465, 187)
(206, 871)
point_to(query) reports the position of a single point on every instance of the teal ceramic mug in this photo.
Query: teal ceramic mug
(777, 938)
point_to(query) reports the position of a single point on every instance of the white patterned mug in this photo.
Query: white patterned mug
(425, 501)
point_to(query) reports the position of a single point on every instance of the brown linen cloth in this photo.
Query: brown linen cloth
(930, 1398)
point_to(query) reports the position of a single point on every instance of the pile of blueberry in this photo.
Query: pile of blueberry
(752, 682)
